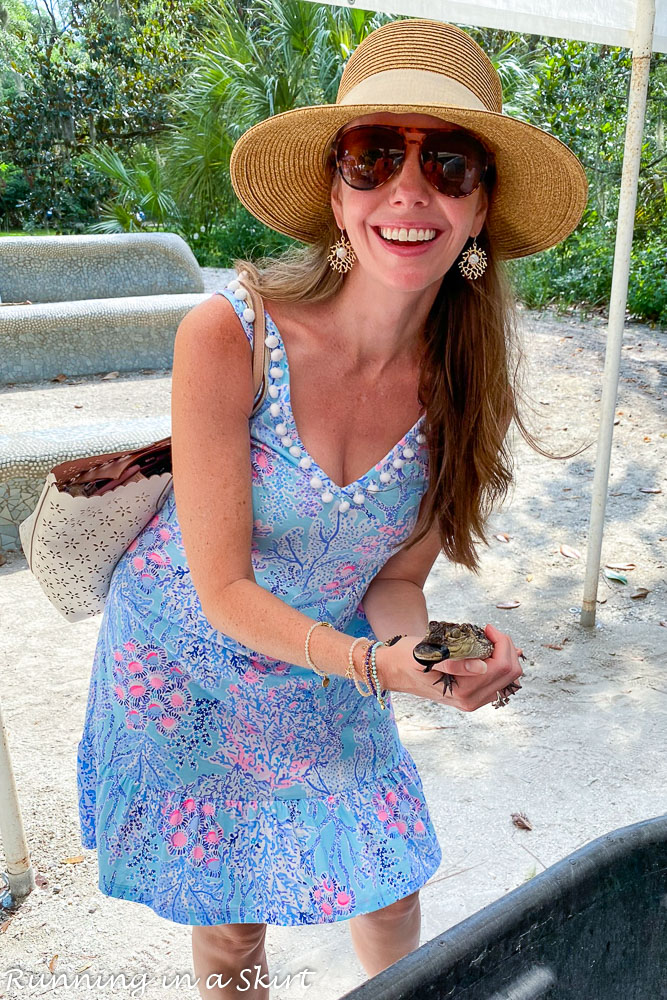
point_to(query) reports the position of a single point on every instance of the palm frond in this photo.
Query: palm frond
(115, 219)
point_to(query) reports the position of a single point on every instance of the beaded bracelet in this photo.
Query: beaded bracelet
(351, 673)
(370, 667)
(320, 673)
(394, 639)
(367, 669)
(374, 672)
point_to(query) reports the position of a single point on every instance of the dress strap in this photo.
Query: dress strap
(261, 356)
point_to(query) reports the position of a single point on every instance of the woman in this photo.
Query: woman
(241, 766)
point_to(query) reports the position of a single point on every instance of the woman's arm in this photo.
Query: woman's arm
(258, 619)
(394, 601)
(393, 606)
(213, 490)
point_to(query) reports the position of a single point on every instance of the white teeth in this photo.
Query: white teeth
(407, 235)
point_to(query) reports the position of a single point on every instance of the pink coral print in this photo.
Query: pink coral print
(346, 577)
(261, 463)
(191, 830)
(391, 531)
(150, 688)
(331, 899)
(147, 563)
(263, 667)
(398, 810)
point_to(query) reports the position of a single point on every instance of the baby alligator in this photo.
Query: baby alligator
(451, 641)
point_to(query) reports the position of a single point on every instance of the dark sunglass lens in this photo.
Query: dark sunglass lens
(454, 162)
(367, 156)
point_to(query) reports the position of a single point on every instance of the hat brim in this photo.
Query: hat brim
(278, 171)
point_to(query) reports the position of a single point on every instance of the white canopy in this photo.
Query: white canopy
(609, 22)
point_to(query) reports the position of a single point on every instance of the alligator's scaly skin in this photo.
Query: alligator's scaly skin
(454, 641)
(451, 641)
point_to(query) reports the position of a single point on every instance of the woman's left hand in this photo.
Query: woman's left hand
(495, 635)
(503, 667)
(398, 671)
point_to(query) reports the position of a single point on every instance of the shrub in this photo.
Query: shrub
(240, 235)
(579, 272)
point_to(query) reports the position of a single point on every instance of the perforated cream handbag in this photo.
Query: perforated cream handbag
(91, 508)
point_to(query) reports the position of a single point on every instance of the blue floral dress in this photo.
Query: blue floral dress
(220, 785)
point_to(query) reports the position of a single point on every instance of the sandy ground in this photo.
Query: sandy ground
(580, 750)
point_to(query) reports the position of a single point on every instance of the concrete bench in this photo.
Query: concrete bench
(90, 336)
(99, 303)
(27, 458)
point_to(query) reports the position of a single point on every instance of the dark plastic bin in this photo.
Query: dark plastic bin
(591, 927)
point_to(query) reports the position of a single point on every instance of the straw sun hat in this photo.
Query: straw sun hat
(278, 167)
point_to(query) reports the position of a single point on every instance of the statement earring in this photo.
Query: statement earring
(342, 255)
(473, 261)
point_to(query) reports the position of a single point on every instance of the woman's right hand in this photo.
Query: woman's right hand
(476, 681)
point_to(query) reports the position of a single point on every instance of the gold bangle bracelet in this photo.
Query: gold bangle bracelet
(351, 673)
(320, 673)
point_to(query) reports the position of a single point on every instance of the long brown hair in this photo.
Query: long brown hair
(469, 383)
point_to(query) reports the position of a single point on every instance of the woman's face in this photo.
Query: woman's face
(406, 200)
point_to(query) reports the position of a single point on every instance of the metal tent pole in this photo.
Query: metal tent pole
(641, 63)
(19, 870)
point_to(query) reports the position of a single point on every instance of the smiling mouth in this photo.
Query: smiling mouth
(406, 237)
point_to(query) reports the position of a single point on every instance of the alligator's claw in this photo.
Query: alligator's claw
(447, 681)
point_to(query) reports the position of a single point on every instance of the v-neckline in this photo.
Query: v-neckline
(314, 465)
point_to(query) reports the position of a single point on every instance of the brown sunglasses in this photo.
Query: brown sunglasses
(452, 160)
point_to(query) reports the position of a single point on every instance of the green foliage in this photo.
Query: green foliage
(144, 201)
(16, 19)
(579, 272)
(647, 291)
(104, 75)
(121, 115)
(241, 235)
(13, 188)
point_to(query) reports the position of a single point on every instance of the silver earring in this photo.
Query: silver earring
(342, 255)
(473, 261)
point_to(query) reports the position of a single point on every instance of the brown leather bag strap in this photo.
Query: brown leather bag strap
(261, 356)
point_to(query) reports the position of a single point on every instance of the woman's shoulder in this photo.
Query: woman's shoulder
(241, 307)
(299, 322)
